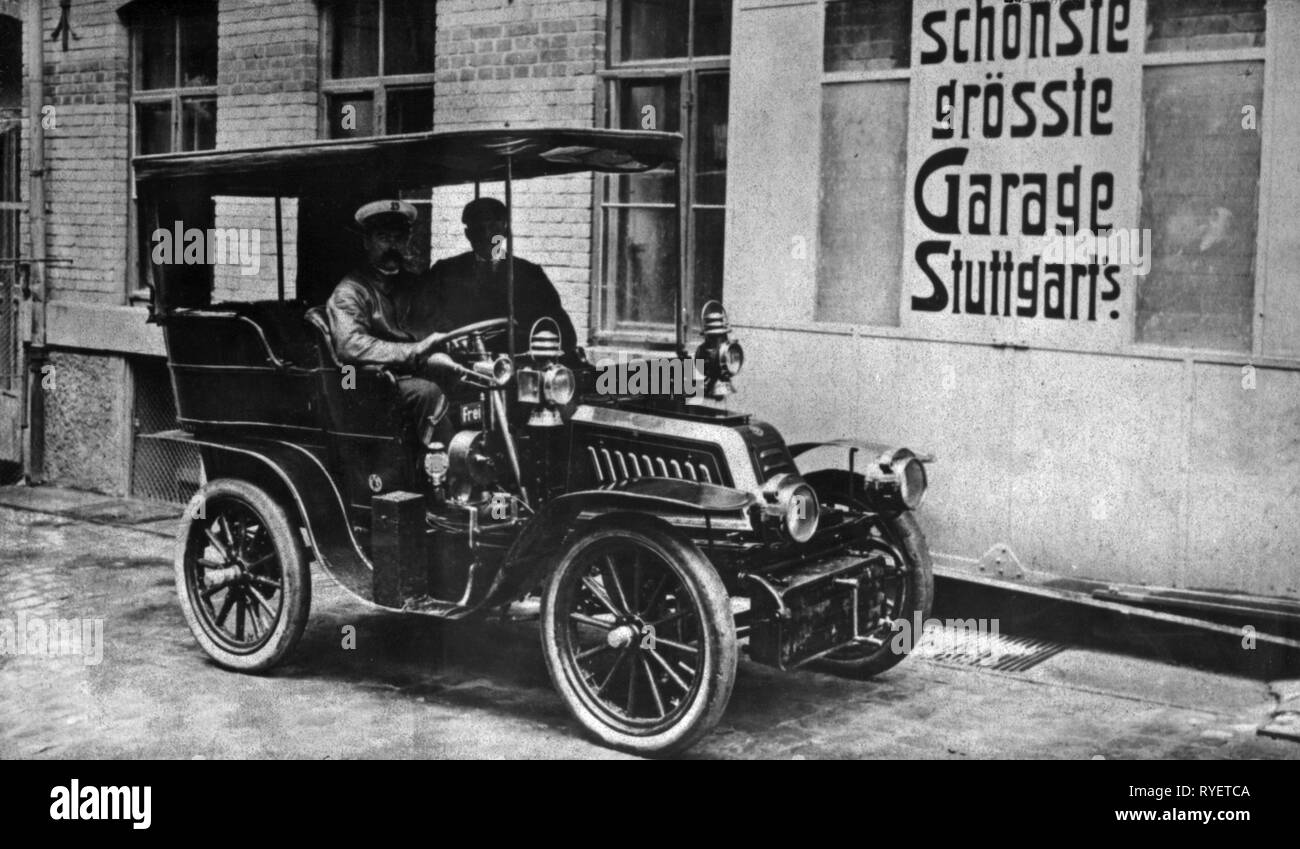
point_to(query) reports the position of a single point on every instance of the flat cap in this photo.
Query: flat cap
(395, 208)
(483, 208)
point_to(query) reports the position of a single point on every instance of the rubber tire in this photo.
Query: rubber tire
(719, 626)
(905, 533)
(295, 577)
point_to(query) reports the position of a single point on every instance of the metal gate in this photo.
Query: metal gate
(161, 470)
(11, 363)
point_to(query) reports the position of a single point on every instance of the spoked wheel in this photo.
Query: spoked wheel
(639, 638)
(900, 585)
(242, 576)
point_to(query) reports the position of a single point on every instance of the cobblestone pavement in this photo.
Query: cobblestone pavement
(413, 687)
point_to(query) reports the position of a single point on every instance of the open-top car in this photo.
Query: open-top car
(664, 534)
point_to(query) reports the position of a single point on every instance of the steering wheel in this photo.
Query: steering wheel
(491, 328)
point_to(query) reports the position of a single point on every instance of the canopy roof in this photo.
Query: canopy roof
(419, 159)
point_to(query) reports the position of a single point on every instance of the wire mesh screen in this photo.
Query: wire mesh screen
(161, 470)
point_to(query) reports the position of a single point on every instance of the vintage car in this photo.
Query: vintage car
(663, 534)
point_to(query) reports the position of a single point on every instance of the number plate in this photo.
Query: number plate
(471, 414)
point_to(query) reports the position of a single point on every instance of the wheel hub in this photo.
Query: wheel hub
(622, 635)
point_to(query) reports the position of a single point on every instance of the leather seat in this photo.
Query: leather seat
(356, 399)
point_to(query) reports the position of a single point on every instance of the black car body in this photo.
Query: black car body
(663, 532)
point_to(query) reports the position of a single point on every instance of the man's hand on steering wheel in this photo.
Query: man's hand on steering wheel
(489, 329)
(442, 361)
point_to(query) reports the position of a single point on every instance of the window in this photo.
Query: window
(867, 36)
(378, 67)
(1200, 174)
(668, 71)
(863, 198)
(174, 84)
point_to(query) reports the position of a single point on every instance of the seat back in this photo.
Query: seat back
(228, 374)
(362, 413)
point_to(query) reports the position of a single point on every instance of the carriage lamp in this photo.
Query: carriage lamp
(545, 383)
(791, 505)
(723, 357)
(897, 481)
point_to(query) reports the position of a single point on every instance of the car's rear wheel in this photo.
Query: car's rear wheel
(242, 576)
(639, 638)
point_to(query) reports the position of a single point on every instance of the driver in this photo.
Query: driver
(372, 315)
(472, 286)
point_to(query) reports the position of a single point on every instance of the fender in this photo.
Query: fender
(862, 484)
(871, 449)
(530, 558)
(299, 480)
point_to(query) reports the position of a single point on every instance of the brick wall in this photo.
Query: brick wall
(86, 154)
(521, 64)
(267, 71)
(267, 79)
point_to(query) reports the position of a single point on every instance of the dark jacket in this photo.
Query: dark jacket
(374, 319)
(470, 289)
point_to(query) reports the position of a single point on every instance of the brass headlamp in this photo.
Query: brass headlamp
(545, 383)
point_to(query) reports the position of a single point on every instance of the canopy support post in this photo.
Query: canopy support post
(510, 259)
(279, 251)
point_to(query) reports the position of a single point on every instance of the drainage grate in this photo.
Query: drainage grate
(160, 470)
(985, 649)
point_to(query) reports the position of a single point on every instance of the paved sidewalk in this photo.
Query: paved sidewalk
(414, 687)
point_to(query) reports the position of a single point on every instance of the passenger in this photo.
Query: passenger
(472, 286)
(371, 317)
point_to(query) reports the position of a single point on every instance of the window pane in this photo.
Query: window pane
(153, 127)
(707, 265)
(157, 59)
(654, 29)
(351, 115)
(409, 110)
(1200, 188)
(408, 36)
(199, 123)
(641, 269)
(711, 140)
(650, 105)
(199, 50)
(356, 39)
(712, 27)
(868, 35)
(863, 189)
(1204, 24)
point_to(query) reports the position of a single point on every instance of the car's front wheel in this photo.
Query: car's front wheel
(242, 576)
(639, 637)
(901, 588)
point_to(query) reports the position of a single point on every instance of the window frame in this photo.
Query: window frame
(1166, 58)
(1130, 347)
(377, 85)
(176, 94)
(686, 71)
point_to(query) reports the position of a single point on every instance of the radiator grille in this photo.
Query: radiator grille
(161, 470)
(611, 465)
